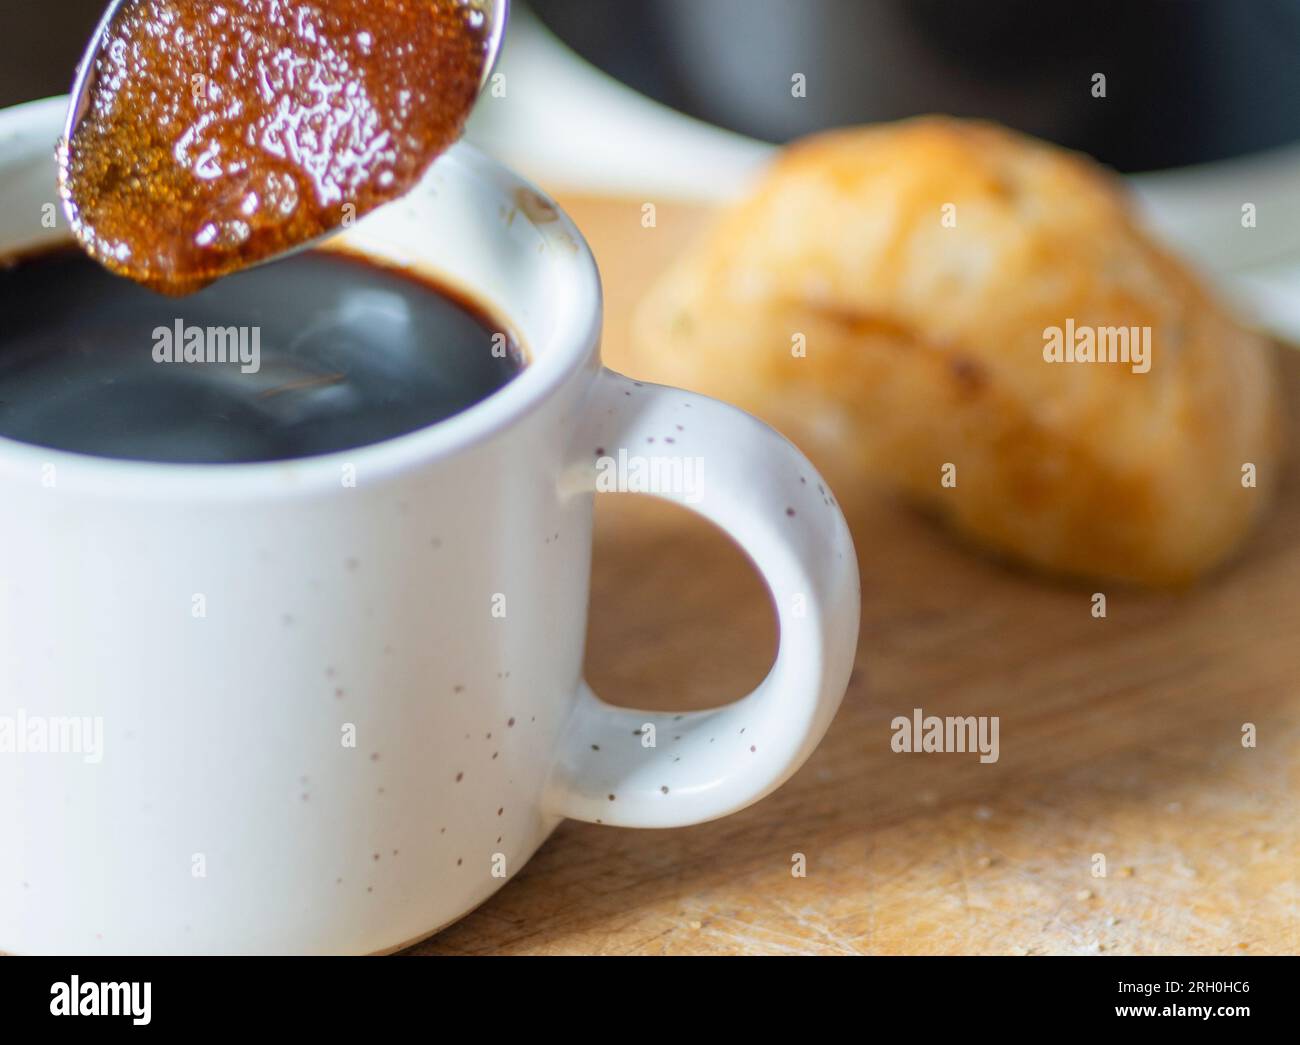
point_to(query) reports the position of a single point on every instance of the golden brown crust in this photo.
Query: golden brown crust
(922, 263)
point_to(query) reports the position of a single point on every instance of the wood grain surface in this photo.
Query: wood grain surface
(1120, 737)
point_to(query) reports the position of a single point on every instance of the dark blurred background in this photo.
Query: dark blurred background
(1187, 80)
(40, 44)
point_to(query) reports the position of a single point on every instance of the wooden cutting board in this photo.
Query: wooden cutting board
(1120, 737)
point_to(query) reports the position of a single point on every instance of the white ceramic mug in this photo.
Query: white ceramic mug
(337, 715)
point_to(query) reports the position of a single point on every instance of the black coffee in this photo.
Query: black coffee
(316, 353)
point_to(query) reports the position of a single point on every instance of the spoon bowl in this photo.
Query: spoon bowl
(495, 12)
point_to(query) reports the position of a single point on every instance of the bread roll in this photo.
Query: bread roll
(895, 298)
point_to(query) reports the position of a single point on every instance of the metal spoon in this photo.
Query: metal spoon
(496, 12)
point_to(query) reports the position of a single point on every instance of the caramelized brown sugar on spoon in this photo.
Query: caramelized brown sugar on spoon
(220, 133)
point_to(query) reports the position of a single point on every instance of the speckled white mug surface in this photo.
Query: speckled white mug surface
(378, 715)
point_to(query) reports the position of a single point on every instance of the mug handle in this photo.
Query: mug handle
(744, 477)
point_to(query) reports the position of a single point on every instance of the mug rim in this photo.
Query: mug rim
(570, 346)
